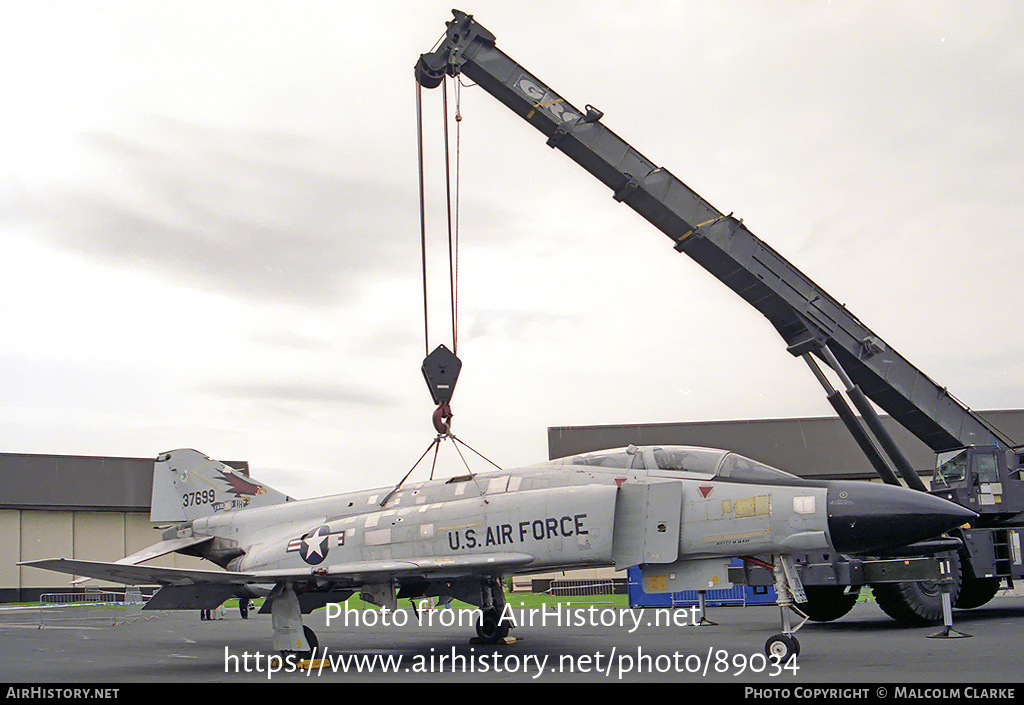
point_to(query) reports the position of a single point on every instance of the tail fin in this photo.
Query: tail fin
(188, 485)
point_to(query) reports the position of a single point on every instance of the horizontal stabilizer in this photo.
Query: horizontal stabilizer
(139, 574)
(162, 549)
(154, 551)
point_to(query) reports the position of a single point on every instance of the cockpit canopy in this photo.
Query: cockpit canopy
(685, 460)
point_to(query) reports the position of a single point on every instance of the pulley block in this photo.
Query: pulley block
(441, 371)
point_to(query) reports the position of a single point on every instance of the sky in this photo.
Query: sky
(209, 220)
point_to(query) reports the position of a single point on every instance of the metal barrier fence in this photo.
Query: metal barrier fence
(134, 596)
(589, 592)
(88, 597)
(91, 608)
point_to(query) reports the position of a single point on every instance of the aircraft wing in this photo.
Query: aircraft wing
(345, 573)
(431, 567)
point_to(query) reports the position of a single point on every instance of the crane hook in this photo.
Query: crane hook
(443, 419)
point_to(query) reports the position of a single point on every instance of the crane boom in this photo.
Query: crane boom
(806, 316)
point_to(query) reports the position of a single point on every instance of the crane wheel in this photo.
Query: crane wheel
(975, 592)
(826, 603)
(917, 604)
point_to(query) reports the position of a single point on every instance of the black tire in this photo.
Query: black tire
(313, 642)
(490, 628)
(310, 635)
(826, 603)
(782, 647)
(916, 604)
(975, 592)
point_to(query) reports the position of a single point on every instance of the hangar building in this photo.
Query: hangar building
(66, 506)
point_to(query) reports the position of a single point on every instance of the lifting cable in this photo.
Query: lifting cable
(441, 367)
(452, 229)
(452, 213)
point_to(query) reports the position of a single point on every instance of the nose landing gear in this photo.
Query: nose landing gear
(789, 590)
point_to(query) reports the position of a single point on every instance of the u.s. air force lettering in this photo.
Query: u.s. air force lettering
(469, 537)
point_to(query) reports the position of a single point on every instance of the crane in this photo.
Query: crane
(977, 465)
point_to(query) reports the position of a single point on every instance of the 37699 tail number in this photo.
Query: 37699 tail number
(194, 499)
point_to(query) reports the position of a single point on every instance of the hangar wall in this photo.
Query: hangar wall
(89, 535)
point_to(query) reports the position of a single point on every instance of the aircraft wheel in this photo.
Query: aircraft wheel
(310, 635)
(313, 642)
(827, 602)
(490, 628)
(782, 647)
(975, 592)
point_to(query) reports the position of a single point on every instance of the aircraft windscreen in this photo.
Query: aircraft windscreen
(737, 467)
(605, 459)
(697, 460)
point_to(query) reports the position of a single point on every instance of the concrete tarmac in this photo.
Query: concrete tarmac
(598, 644)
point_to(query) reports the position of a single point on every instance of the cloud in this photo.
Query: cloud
(304, 391)
(516, 324)
(259, 214)
(219, 208)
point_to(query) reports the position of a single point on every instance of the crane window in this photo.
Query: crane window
(985, 467)
(951, 469)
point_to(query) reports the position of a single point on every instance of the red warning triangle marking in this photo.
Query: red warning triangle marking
(705, 491)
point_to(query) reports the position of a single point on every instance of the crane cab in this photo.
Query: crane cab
(983, 478)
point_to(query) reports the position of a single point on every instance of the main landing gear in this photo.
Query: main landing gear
(492, 627)
(291, 636)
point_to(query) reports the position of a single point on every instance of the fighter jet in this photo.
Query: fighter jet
(678, 512)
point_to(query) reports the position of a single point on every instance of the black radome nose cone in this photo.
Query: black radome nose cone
(864, 517)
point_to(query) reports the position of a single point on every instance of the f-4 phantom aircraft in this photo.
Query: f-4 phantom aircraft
(681, 513)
